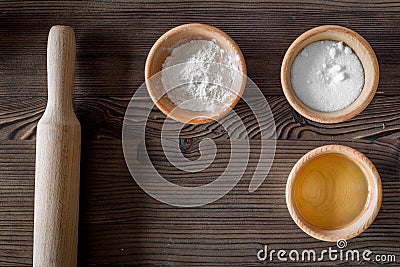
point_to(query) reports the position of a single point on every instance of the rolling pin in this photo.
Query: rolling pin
(57, 170)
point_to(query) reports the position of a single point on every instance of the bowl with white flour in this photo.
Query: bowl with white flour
(195, 73)
(329, 74)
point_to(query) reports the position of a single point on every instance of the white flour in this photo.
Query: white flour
(327, 76)
(202, 76)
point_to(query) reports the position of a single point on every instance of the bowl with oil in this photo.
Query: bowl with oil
(334, 192)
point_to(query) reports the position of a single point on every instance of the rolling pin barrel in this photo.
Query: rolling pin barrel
(57, 167)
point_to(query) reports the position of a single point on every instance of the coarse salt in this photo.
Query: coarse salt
(329, 78)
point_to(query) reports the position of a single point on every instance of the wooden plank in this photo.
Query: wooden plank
(120, 224)
(113, 39)
(102, 117)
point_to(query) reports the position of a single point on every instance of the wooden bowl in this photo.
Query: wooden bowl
(340, 198)
(363, 51)
(161, 50)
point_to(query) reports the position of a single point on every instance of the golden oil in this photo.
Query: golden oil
(330, 191)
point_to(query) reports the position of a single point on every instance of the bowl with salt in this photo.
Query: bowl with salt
(329, 74)
(195, 73)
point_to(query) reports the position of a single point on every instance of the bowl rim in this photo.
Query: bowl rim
(158, 45)
(335, 116)
(360, 223)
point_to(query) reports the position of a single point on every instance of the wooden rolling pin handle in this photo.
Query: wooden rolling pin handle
(57, 167)
(61, 67)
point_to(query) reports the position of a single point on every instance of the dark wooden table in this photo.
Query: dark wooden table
(122, 225)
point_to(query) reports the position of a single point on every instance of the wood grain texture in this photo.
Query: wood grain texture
(144, 231)
(120, 225)
(113, 38)
(102, 117)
